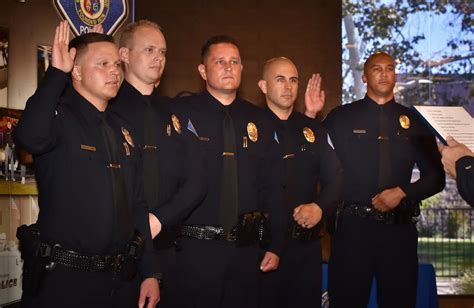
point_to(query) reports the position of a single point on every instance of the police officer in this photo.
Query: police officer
(174, 180)
(219, 260)
(458, 162)
(309, 160)
(83, 251)
(378, 142)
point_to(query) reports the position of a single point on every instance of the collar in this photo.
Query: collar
(215, 105)
(88, 111)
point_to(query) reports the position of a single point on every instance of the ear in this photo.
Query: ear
(202, 71)
(76, 73)
(262, 84)
(364, 79)
(123, 52)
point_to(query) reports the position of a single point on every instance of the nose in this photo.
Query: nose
(288, 85)
(228, 66)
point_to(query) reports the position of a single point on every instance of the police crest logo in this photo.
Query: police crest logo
(252, 131)
(176, 125)
(404, 121)
(92, 12)
(309, 134)
(127, 137)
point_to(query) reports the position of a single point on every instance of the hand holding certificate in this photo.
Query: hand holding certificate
(449, 121)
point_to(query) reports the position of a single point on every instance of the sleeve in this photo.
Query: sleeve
(271, 191)
(193, 187)
(465, 178)
(37, 129)
(428, 159)
(331, 179)
(148, 265)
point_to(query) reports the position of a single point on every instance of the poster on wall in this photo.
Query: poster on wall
(16, 172)
(3, 65)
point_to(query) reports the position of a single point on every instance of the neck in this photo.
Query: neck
(143, 88)
(98, 103)
(223, 98)
(380, 99)
(282, 114)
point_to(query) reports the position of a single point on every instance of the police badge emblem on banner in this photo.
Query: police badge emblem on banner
(82, 15)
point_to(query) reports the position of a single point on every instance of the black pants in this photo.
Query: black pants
(363, 249)
(168, 290)
(68, 287)
(216, 274)
(297, 282)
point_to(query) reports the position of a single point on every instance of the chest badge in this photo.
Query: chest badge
(404, 121)
(127, 137)
(309, 134)
(176, 125)
(252, 131)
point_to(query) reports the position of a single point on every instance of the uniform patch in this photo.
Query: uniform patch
(176, 125)
(309, 134)
(252, 131)
(191, 128)
(127, 137)
(404, 121)
(275, 136)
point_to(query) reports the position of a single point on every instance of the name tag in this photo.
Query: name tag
(359, 131)
(204, 138)
(88, 148)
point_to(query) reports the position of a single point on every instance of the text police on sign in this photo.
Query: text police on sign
(82, 15)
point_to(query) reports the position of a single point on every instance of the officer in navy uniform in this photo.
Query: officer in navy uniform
(309, 160)
(174, 178)
(219, 260)
(378, 143)
(83, 250)
(458, 162)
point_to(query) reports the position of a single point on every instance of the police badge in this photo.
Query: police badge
(404, 121)
(176, 125)
(309, 134)
(252, 131)
(127, 137)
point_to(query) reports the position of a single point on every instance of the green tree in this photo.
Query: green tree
(376, 25)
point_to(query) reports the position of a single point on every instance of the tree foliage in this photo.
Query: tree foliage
(380, 25)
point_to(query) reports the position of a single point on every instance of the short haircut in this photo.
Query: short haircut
(214, 40)
(127, 34)
(82, 41)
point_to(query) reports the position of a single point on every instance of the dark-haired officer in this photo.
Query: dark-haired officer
(220, 258)
(174, 179)
(92, 233)
(379, 142)
(309, 161)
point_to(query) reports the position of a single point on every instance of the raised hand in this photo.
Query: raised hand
(314, 97)
(61, 57)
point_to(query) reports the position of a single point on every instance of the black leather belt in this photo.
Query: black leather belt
(369, 212)
(209, 233)
(91, 263)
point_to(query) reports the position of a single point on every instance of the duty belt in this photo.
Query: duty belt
(91, 263)
(208, 233)
(299, 233)
(370, 213)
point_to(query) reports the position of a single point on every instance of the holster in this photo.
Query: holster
(252, 228)
(34, 259)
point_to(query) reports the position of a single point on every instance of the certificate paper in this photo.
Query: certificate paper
(451, 121)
